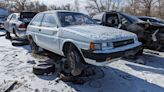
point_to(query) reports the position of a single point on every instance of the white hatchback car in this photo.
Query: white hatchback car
(77, 37)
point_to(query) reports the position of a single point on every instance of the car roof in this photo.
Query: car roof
(146, 17)
(56, 11)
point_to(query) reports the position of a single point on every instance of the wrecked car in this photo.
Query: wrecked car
(151, 35)
(153, 20)
(16, 24)
(78, 38)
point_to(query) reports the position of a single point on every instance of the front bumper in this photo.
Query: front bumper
(103, 58)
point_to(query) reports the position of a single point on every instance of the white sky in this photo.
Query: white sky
(57, 2)
(63, 2)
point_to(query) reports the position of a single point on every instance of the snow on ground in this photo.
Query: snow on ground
(121, 76)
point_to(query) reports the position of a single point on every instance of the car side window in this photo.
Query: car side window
(37, 20)
(124, 20)
(13, 17)
(49, 21)
(9, 17)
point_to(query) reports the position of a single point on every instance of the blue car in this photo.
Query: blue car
(152, 20)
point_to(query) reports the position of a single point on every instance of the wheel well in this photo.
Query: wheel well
(29, 37)
(67, 47)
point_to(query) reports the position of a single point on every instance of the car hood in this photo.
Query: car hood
(98, 32)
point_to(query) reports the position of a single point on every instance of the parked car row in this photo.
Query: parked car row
(16, 24)
(79, 38)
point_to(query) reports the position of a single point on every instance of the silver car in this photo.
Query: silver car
(16, 24)
(77, 37)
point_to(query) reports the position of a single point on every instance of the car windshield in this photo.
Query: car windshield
(158, 20)
(70, 19)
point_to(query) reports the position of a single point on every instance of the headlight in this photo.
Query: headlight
(104, 44)
(95, 46)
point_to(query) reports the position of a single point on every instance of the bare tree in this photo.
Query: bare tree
(36, 6)
(97, 6)
(25, 5)
(133, 7)
(76, 2)
(148, 6)
(63, 7)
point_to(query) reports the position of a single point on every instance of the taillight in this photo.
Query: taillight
(22, 26)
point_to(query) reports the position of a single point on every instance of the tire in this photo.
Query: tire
(8, 36)
(34, 47)
(17, 43)
(41, 69)
(74, 61)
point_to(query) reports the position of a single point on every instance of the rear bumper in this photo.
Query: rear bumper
(21, 33)
(1, 25)
(103, 58)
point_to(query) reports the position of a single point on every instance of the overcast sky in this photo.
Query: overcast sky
(63, 2)
(58, 2)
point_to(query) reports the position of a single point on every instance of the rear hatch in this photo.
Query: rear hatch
(26, 17)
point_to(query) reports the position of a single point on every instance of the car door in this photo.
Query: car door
(48, 36)
(34, 28)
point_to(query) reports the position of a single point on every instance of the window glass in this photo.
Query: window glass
(70, 19)
(125, 21)
(9, 17)
(112, 20)
(37, 20)
(13, 17)
(48, 21)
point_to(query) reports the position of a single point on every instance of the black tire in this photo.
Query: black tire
(34, 47)
(44, 68)
(8, 36)
(74, 61)
(18, 43)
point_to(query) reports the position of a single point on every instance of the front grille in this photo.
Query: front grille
(123, 43)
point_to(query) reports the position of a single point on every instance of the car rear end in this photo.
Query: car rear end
(24, 18)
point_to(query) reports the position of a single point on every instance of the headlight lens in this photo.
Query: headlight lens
(104, 44)
(101, 46)
(98, 46)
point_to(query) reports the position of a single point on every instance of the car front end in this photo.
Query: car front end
(104, 52)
